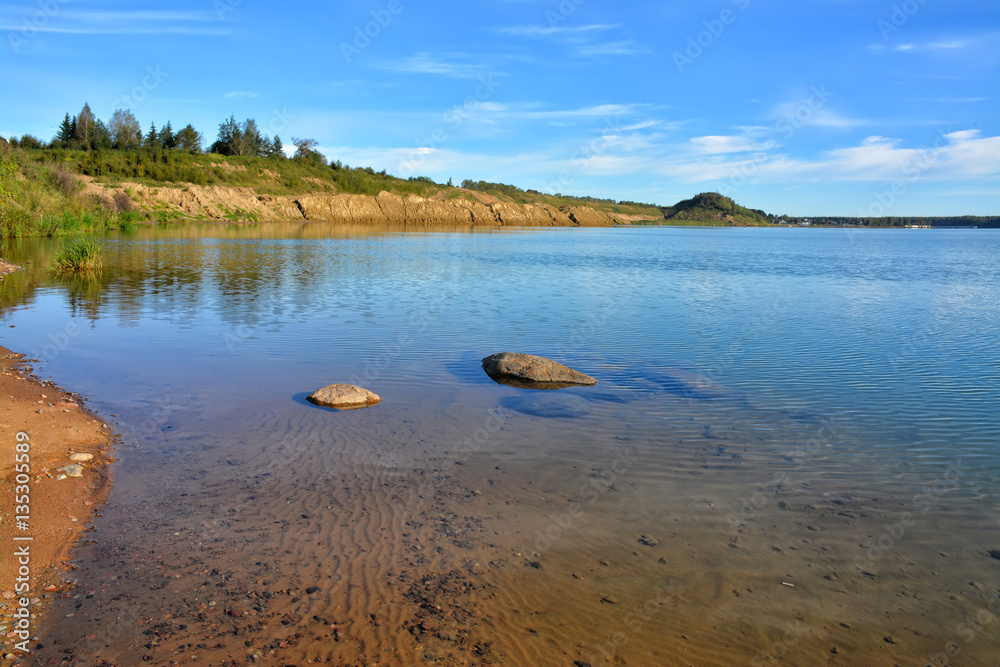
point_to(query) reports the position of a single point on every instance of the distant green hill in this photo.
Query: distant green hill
(713, 209)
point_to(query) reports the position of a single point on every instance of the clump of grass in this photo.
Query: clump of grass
(83, 256)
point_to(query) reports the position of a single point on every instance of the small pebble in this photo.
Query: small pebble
(81, 457)
(72, 470)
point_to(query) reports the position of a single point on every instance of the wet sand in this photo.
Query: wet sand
(50, 425)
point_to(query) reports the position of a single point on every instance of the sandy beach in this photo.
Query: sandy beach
(44, 426)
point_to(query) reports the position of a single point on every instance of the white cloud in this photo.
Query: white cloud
(954, 155)
(97, 22)
(813, 113)
(935, 46)
(425, 63)
(539, 31)
(625, 47)
(721, 144)
(586, 40)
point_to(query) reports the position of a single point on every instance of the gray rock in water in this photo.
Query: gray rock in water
(72, 470)
(532, 372)
(343, 397)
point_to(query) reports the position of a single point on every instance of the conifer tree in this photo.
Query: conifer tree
(152, 139)
(187, 139)
(65, 134)
(166, 136)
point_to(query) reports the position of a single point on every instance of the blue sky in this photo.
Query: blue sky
(839, 107)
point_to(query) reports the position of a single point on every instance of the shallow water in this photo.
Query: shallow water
(806, 407)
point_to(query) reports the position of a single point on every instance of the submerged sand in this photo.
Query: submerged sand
(369, 537)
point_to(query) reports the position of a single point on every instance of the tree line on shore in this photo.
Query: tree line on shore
(122, 132)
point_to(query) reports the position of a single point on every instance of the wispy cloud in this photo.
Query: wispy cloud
(722, 144)
(98, 22)
(957, 155)
(935, 46)
(426, 63)
(241, 94)
(557, 31)
(585, 40)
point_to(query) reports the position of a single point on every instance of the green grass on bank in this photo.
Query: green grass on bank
(273, 176)
(41, 197)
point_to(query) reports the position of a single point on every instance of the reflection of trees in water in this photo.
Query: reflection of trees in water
(182, 270)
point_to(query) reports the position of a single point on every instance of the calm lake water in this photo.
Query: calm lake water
(792, 455)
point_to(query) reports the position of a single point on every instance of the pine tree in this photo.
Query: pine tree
(188, 139)
(229, 136)
(277, 148)
(166, 137)
(152, 139)
(65, 134)
(100, 137)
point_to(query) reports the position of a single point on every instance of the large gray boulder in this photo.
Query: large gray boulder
(530, 371)
(343, 397)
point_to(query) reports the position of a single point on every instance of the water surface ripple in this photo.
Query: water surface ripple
(807, 407)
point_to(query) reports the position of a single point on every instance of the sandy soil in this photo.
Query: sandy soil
(51, 425)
